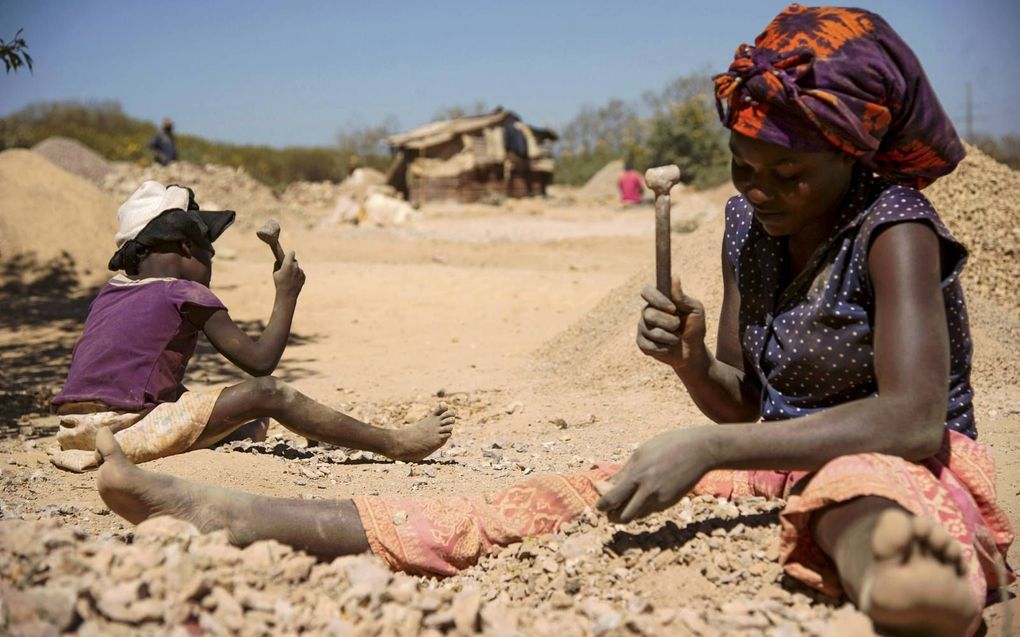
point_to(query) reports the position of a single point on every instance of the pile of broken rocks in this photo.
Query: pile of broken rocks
(705, 567)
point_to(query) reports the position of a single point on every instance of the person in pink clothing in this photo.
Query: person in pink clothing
(631, 185)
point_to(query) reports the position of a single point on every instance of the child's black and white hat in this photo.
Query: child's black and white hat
(152, 199)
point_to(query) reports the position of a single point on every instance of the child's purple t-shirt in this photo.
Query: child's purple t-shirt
(136, 343)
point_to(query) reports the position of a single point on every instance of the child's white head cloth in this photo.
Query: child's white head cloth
(153, 199)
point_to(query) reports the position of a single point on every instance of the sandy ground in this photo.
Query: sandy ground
(499, 311)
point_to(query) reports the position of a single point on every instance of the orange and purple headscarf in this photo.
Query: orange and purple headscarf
(820, 78)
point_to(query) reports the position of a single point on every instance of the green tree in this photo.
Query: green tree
(676, 124)
(368, 140)
(610, 129)
(15, 53)
(689, 135)
(680, 90)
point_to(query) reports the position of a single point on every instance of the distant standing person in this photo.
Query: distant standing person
(163, 144)
(631, 185)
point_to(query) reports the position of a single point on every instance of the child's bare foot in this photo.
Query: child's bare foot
(416, 442)
(138, 495)
(917, 580)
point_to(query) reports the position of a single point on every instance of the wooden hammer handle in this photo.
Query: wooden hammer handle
(663, 256)
(660, 179)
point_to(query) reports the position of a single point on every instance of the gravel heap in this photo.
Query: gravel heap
(74, 157)
(52, 223)
(978, 203)
(216, 187)
(324, 194)
(598, 350)
(602, 185)
(311, 194)
(309, 204)
(165, 578)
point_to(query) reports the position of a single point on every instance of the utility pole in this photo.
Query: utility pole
(969, 121)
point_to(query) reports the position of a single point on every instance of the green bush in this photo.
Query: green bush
(106, 129)
(576, 170)
(690, 137)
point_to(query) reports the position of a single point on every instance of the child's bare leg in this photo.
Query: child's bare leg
(904, 571)
(269, 396)
(325, 529)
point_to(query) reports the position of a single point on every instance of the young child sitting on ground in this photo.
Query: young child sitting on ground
(127, 367)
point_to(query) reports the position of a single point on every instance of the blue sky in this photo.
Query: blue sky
(297, 73)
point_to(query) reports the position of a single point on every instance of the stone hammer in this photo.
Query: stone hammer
(660, 180)
(270, 233)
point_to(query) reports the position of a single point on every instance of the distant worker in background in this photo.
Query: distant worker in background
(631, 185)
(163, 144)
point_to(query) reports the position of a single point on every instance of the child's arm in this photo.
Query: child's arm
(906, 418)
(260, 356)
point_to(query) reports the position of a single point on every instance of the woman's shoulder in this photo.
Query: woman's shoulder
(902, 204)
(893, 203)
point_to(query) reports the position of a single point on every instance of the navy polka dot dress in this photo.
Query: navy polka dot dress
(812, 343)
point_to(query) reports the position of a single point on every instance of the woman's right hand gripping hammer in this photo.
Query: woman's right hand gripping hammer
(671, 330)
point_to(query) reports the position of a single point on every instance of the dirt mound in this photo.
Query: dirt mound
(599, 350)
(978, 203)
(216, 187)
(52, 223)
(311, 194)
(602, 185)
(690, 207)
(74, 157)
(325, 194)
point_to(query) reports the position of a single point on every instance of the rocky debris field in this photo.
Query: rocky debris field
(216, 188)
(164, 578)
(979, 205)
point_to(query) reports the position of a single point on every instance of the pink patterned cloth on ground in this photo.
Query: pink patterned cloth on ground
(441, 536)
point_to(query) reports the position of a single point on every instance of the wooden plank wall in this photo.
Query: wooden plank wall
(473, 186)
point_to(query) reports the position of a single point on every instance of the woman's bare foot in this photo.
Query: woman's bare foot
(324, 528)
(916, 583)
(416, 442)
(138, 495)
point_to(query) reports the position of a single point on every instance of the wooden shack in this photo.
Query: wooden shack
(472, 158)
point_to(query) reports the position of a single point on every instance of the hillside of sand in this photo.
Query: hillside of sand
(52, 223)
